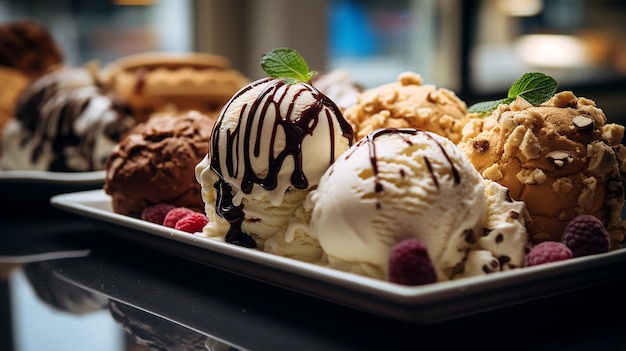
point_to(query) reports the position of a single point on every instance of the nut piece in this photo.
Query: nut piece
(583, 122)
(480, 145)
(560, 158)
(430, 97)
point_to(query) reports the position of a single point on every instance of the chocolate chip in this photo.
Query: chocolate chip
(513, 214)
(486, 231)
(499, 238)
(494, 263)
(480, 145)
(469, 236)
(504, 259)
(508, 196)
(615, 190)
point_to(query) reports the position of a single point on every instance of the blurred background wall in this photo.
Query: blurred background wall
(474, 47)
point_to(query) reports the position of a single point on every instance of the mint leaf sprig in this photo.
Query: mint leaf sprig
(287, 64)
(534, 87)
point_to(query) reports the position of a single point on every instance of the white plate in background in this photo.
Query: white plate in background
(422, 304)
(26, 194)
(43, 177)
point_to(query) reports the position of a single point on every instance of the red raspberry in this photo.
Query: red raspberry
(156, 213)
(410, 264)
(546, 252)
(586, 235)
(175, 215)
(192, 223)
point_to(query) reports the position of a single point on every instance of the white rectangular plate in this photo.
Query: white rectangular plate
(423, 304)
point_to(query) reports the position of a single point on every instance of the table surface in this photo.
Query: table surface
(74, 287)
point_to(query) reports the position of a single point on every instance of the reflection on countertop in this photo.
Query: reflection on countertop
(111, 294)
(46, 312)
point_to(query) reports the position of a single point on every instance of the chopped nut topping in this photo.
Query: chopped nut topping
(430, 97)
(531, 176)
(584, 122)
(480, 145)
(560, 158)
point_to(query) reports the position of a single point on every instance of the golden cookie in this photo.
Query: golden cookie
(170, 82)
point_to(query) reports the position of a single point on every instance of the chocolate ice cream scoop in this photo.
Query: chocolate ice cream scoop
(155, 163)
(28, 47)
(562, 158)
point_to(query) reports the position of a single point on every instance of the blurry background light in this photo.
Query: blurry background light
(134, 2)
(550, 50)
(520, 8)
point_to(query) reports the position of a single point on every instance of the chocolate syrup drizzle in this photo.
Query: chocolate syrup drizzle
(295, 128)
(404, 133)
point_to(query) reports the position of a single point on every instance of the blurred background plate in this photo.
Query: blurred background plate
(26, 194)
(95, 178)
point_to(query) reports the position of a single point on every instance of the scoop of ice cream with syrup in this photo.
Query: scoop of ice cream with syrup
(270, 145)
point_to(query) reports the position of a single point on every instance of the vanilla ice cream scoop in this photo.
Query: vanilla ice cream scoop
(405, 183)
(271, 144)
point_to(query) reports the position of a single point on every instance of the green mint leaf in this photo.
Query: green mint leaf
(534, 87)
(488, 106)
(287, 64)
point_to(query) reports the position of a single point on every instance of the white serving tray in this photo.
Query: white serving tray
(422, 304)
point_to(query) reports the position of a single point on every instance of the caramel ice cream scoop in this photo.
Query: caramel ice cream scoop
(408, 103)
(561, 158)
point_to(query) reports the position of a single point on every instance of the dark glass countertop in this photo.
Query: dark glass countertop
(66, 285)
